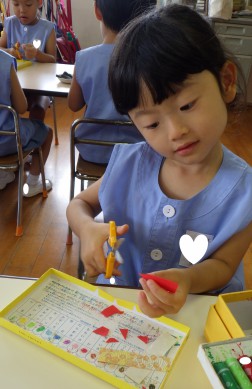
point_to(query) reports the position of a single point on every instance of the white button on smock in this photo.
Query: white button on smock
(169, 211)
(156, 255)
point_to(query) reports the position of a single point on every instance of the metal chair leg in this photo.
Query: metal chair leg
(69, 240)
(42, 170)
(56, 140)
(19, 226)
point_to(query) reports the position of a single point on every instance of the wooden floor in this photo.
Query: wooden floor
(43, 244)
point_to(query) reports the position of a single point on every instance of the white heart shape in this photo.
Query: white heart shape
(193, 250)
(36, 43)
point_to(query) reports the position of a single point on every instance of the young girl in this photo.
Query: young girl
(26, 35)
(34, 133)
(89, 87)
(171, 75)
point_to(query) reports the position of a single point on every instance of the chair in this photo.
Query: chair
(15, 162)
(85, 170)
(52, 103)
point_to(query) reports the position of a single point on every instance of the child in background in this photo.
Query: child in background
(27, 36)
(89, 87)
(34, 133)
(170, 73)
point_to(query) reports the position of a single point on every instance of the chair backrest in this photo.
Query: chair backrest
(91, 166)
(77, 122)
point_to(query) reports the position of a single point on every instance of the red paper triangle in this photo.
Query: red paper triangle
(103, 331)
(124, 332)
(111, 340)
(144, 339)
(111, 310)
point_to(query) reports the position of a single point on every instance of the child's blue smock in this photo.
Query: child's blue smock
(130, 193)
(33, 132)
(18, 32)
(91, 69)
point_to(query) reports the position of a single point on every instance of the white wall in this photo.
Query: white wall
(85, 25)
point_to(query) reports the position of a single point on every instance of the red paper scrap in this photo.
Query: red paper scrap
(124, 332)
(144, 339)
(111, 340)
(111, 310)
(103, 331)
(168, 285)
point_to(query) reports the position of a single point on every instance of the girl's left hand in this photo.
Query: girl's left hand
(29, 50)
(155, 301)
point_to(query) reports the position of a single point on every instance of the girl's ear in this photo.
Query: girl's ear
(229, 80)
(98, 14)
(40, 3)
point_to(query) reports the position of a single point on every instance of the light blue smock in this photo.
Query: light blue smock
(130, 193)
(32, 132)
(27, 33)
(91, 69)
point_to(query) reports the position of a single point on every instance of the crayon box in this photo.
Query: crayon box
(224, 362)
(230, 317)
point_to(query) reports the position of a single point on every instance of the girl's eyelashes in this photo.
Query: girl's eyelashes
(188, 106)
(152, 126)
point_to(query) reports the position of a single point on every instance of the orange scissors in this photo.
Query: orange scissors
(113, 253)
(16, 47)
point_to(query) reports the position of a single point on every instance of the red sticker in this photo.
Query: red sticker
(111, 310)
(112, 340)
(144, 339)
(124, 332)
(168, 285)
(103, 331)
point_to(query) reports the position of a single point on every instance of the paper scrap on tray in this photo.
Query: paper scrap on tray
(132, 359)
(161, 345)
(137, 375)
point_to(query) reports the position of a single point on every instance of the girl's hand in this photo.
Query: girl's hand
(14, 52)
(155, 301)
(29, 50)
(92, 241)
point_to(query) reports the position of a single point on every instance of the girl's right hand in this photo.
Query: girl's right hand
(92, 240)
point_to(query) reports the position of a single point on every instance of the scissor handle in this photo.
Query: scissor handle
(112, 234)
(110, 264)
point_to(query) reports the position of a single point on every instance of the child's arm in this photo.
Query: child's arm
(208, 275)
(80, 214)
(3, 46)
(48, 56)
(75, 97)
(18, 98)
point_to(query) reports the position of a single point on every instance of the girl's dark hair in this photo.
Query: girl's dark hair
(117, 13)
(160, 49)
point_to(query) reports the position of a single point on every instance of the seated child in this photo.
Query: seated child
(34, 133)
(27, 36)
(173, 78)
(89, 86)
